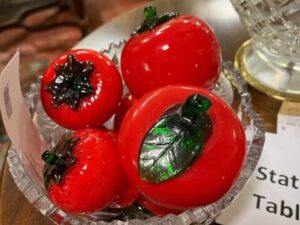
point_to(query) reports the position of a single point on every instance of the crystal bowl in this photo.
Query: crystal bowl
(28, 177)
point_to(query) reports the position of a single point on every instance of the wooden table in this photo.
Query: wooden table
(14, 208)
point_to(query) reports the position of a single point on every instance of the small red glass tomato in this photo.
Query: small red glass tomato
(182, 50)
(128, 192)
(82, 173)
(157, 210)
(127, 195)
(125, 104)
(81, 88)
(182, 146)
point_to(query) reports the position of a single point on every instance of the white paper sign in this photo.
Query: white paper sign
(272, 196)
(16, 117)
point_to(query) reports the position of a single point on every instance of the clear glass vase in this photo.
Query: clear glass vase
(271, 61)
(28, 177)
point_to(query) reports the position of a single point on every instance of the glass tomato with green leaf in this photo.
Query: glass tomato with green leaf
(182, 146)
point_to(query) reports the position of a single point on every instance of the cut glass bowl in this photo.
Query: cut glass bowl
(28, 177)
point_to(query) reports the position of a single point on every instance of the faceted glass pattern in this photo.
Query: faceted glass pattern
(274, 25)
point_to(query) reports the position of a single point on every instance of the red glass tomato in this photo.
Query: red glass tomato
(83, 172)
(81, 88)
(127, 195)
(125, 104)
(213, 172)
(157, 210)
(128, 192)
(183, 50)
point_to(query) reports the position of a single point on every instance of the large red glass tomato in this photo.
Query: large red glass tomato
(182, 146)
(170, 49)
(81, 88)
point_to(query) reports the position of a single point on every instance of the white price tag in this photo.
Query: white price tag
(16, 117)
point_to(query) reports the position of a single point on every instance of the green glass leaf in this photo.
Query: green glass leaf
(169, 148)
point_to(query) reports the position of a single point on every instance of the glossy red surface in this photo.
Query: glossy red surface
(94, 180)
(94, 109)
(211, 175)
(125, 104)
(181, 51)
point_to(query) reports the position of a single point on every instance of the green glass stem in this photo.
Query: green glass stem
(150, 12)
(59, 159)
(50, 158)
(152, 20)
